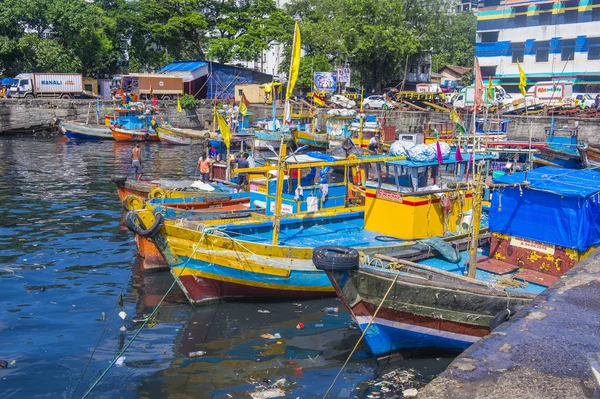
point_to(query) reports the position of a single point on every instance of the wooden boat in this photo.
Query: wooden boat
(249, 257)
(165, 188)
(77, 131)
(562, 148)
(201, 208)
(121, 134)
(178, 136)
(310, 139)
(433, 305)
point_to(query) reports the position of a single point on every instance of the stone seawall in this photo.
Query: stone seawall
(23, 115)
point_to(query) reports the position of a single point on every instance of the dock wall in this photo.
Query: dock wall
(31, 114)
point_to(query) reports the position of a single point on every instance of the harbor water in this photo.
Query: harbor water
(66, 261)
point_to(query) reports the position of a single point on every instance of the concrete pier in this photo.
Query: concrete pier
(542, 352)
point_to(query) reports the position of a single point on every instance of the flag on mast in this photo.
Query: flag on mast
(224, 128)
(459, 124)
(178, 105)
(490, 89)
(244, 103)
(522, 79)
(294, 69)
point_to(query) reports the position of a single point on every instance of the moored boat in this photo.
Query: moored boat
(178, 136)
(82, 131)
(540, 228)
(121, 134)
(250, 257)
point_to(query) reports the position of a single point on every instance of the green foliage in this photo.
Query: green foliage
(188, 102)
(100, 38)
(374, 37)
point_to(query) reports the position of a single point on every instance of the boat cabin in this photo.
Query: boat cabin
(410, 200)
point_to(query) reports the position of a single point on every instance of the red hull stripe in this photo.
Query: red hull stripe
(410, 203)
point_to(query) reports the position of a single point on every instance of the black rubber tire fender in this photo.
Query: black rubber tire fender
(133, 223)
(335, 258)
(500, 318)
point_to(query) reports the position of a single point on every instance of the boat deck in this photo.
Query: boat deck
(347, 230)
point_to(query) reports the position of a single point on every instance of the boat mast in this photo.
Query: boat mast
(476, 220)
(279, 192)
(361, 117)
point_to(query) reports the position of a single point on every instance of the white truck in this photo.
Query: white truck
(61, 85)
(553, 94)
(466, 97)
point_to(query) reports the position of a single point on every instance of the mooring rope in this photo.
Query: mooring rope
(139, 330)
(362, 335)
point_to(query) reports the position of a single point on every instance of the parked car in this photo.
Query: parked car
(588, 100)
(377, 102)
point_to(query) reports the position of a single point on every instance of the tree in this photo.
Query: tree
(455, 44)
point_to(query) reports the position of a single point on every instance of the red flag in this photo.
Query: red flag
(440, 159)
(320, 101)
(458, 155)
(478, 85)
(244, 100)
(155, 101)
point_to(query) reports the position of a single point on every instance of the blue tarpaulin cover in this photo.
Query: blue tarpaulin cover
(560, 207)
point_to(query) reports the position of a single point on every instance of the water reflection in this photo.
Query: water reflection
(64, 261)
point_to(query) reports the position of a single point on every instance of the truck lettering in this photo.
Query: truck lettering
(52, 82)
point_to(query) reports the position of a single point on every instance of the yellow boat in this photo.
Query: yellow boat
(270, 256)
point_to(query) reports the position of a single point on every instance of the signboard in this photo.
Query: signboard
(343, 75)
(533, 245)
(325, 81)
(389, 196)
(285, 208)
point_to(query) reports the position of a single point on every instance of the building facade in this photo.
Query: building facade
(552, 40)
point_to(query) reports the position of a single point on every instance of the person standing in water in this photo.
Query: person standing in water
(136, 162)
(204, 167)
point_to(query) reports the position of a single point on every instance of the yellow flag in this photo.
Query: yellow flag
(224, 128)
(522, 79)
(453, 116)
(178, 105)
(294, 64)
(490, 90)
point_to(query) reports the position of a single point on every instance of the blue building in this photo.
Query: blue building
(550, 39)
(207, 79)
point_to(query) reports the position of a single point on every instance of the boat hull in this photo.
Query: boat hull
(312, 140)
(80, 132)
(419, 313)
(177, 137)
(125, 135)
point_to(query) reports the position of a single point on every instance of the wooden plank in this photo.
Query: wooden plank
(495, 266)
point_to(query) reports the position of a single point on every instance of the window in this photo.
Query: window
(489, 37)
(520, 17)
(412, 69)
(518, 52)
(568, 50)
(571, 16)
(488, 71)
(87, 87)
(545, 14)
(491, 3)
(594, 48)
(595, 14)
(546, 18)
(425, 68)
(541, 51)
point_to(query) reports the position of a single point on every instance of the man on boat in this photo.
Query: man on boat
(204, 167)
(374, 143)
(136, 162)
(242, 162)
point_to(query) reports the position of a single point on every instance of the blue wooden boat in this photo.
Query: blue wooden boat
(83, 131)
(563, 149)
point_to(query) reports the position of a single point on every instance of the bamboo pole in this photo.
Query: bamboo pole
(278, 192)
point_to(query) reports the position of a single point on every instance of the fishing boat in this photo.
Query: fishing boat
(122, 134)
(165, 188)
(252, 257)
(178, 136)
(563, 148)
(77, 131)
(541, 223)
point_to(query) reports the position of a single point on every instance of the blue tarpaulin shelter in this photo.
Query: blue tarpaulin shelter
(207, 79)
(559, 206)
